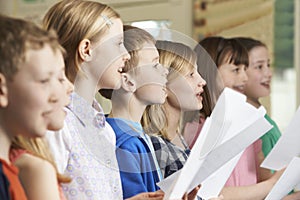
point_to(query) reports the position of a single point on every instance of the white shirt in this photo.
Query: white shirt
(85, 151)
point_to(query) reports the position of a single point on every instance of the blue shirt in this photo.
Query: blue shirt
(136, 164)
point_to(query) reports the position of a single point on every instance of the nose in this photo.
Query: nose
(244, 76)
(268, 72)
(70, 86)
(55, 93)
(165, 71)
(126, 55)
(202, 82)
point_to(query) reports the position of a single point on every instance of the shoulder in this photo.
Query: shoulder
(29, 164)
(132, 144)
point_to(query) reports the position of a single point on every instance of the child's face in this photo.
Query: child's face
(108, 58)
(57, 117)
(234, 76)
(34, 92)
(184, 92)
(259, 73)
(151, 77)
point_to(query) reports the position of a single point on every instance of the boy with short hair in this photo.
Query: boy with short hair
(28, 91)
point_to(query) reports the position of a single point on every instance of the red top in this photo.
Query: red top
(15, 188)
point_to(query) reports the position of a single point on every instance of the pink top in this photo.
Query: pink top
(14, 154)
(192, 131)
(245, 172)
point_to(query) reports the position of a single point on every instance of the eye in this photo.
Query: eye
(236, 70)
(61, 80)
(44, 81)
(121, 43)
(156, 65)
(259, 66)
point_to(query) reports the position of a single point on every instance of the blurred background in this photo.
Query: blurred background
(275, 22)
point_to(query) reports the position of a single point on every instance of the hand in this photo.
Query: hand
(276, 176)
(294, 196)
(192, 195)
(158, 195)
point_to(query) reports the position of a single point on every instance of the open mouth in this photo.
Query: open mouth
(266, 84)
(199, 95)
(120, 69)
(240, 88)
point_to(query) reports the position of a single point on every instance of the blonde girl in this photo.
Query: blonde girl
(92, 34)
(184, 89)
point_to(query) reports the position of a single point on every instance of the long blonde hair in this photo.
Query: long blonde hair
(179, 59)
(75, 20)
(38, 147)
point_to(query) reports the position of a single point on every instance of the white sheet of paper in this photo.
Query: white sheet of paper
(287, 146)
(233, 125)
(288, 180)
(212, 186)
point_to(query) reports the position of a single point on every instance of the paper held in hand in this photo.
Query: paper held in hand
(286, 153)
(233, 125)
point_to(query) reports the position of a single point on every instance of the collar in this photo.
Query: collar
(87, 114)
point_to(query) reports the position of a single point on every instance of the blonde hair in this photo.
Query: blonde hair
(75, 20)
(179, 59)
(39, 148)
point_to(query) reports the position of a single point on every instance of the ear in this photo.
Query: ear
(3, 91)
(84, 50)
(128, 83)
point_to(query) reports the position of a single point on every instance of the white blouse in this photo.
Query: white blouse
(85, 151)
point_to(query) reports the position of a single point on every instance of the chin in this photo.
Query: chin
(56, 126)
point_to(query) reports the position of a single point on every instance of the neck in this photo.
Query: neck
(5, 143)
(254, 101)
(126, 106)
(173, 117)
(85, 87)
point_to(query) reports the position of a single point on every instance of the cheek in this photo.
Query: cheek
(228, 81)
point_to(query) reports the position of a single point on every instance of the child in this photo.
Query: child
(40, 179)
(92, 34)
(143, 83)
(184, 93)
(258, 85)
(31, 60)
(231, 59)
(185, 86)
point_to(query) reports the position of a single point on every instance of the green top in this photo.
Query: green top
(270, 138)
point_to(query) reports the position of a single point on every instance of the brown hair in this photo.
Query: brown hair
(212, 52)
(250, 43)
(17, 37)
(75, 20)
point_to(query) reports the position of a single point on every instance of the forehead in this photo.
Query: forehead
(115, 31)
(260, 51)
(45, 59)
(148, 53)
